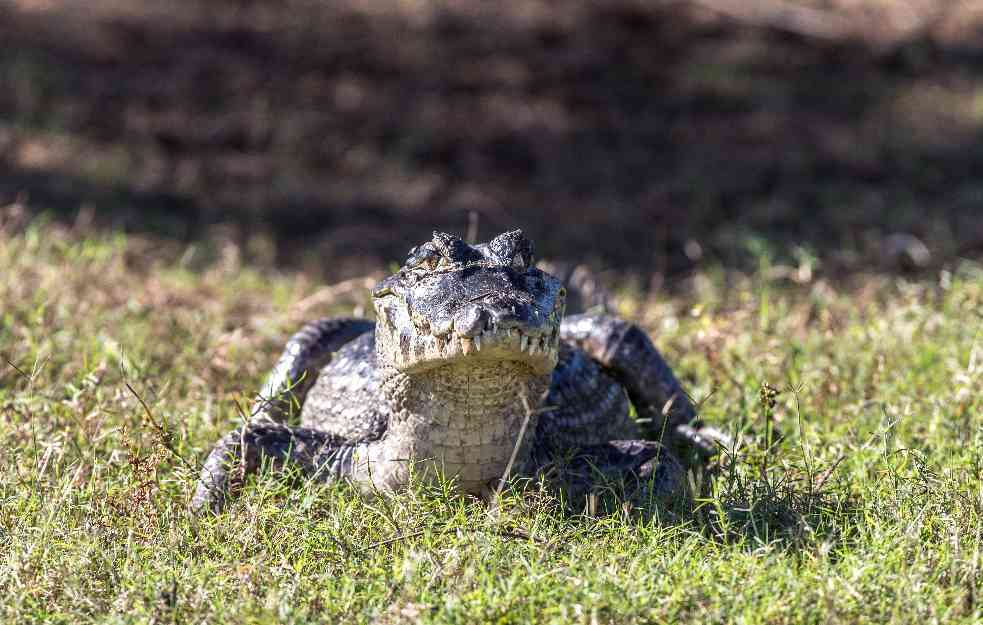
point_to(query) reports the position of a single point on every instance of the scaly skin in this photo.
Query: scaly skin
(470, 350)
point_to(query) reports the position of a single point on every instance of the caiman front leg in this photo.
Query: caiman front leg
(306, 353)
(315, 453)
(626, 351)
(242, 452)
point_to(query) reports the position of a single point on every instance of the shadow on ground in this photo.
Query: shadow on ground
(643, 138)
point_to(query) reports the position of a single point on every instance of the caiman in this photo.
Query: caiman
(470, 369)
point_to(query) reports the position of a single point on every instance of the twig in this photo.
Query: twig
(329, 293)
(242, 439)
(700, 403)
(157, 426)
(517, 535)
(165, 437)
(493, 506)
(799, 20)
(395, 539)
(18, 369)
(828, 473)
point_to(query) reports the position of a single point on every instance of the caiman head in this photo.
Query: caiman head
(453, 303)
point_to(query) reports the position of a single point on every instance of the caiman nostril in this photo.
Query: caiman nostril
(470, 321)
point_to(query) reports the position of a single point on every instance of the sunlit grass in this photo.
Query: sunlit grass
(854, 493)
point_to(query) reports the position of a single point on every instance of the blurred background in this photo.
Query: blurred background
(646, 138)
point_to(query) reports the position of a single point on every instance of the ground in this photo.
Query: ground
(854, 494)
(653, 137)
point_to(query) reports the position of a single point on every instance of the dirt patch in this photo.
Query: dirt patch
(643, 137)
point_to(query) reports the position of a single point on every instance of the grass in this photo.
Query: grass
(854, 495)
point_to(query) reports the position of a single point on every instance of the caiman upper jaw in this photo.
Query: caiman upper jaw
(420, 347)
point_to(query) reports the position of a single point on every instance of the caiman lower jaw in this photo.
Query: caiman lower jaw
(420, 351)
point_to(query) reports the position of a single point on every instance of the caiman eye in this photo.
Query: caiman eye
(423, 257)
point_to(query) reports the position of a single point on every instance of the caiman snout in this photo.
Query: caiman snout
(476, 318)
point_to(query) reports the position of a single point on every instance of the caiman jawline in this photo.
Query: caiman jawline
(424, 350)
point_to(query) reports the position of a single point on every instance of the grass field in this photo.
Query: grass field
(855, 494)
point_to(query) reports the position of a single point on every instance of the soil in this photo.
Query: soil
(644, 137)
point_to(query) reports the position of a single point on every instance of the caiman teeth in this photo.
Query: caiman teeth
(500, 340)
